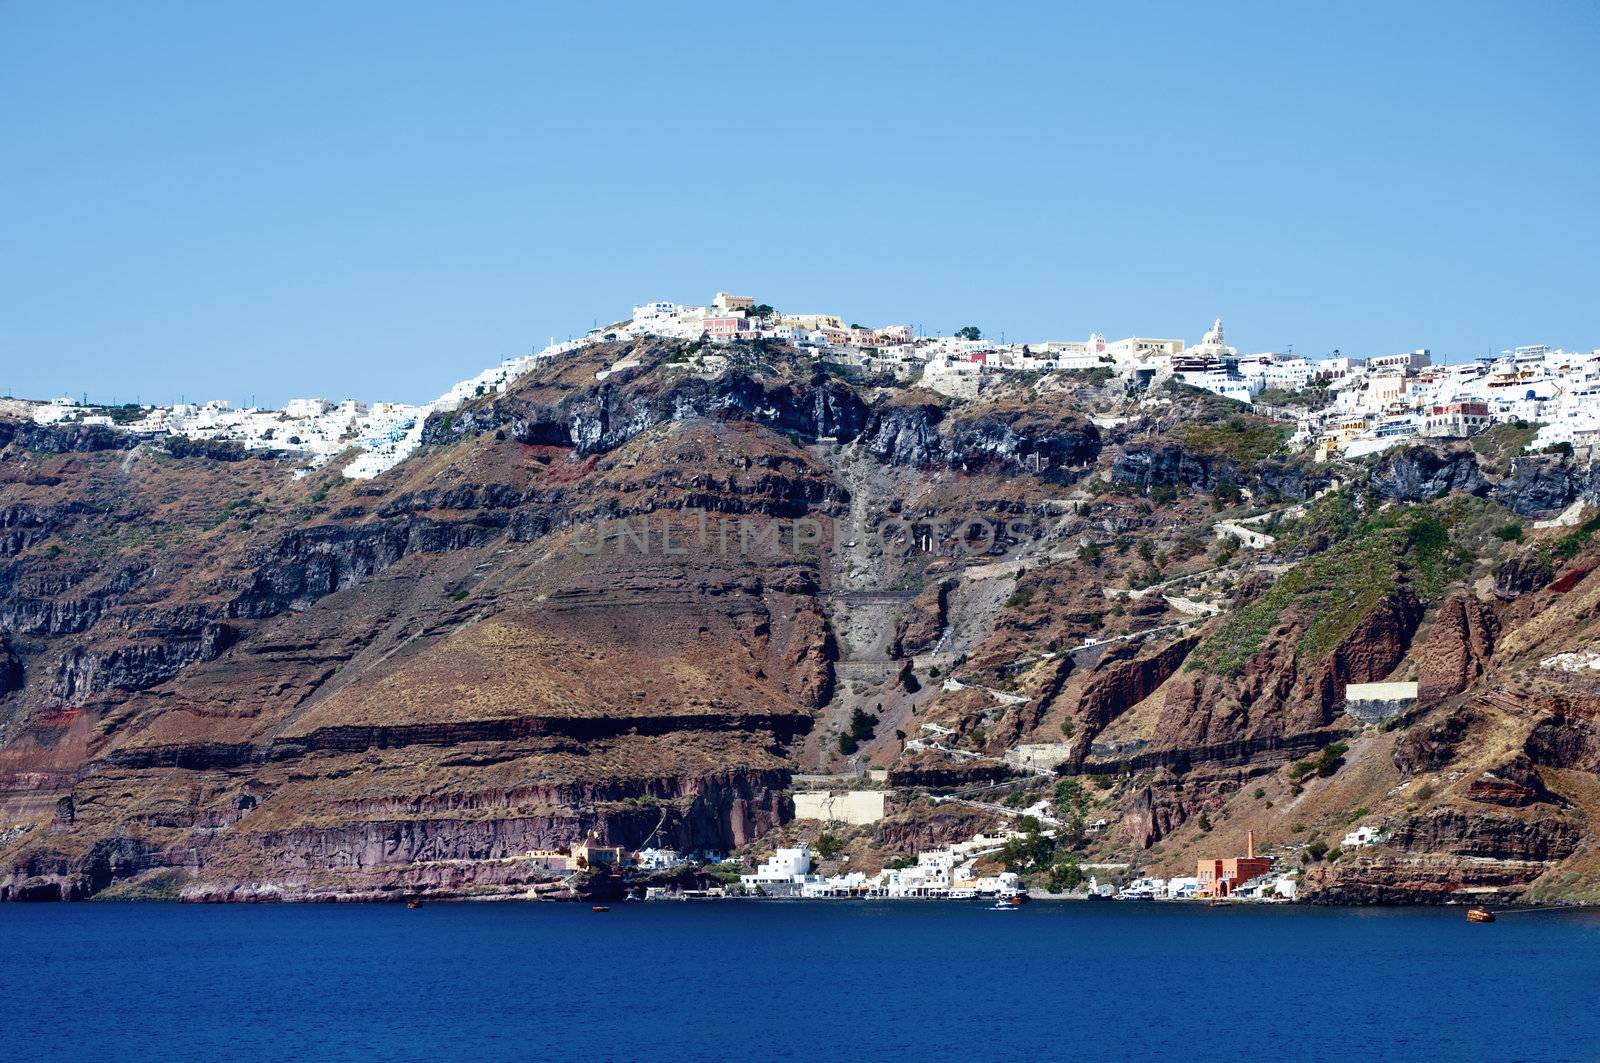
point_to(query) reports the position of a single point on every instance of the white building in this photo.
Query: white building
(1362, 837)
(656, 311)
(1145, 888)
(1212, 352)
(1183, 888)
(658, 859)
(784, 868)
(299, 409)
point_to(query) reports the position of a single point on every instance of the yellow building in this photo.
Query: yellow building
(812, 322)
(1143, 348)
(725, 302)
(589, 854)
(1350, 428)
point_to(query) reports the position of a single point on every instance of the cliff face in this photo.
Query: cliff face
(1416, 474)
(1458, 649)
(627, 600)
(584, 610)
(598, 419)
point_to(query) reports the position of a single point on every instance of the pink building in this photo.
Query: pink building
(727, 328)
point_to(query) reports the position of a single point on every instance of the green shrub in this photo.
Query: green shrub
(1331, 759)
(1567, 547)
(1333, 591)
(863, 725)
(1071, 801)
(1244, 439)
(1065, 873)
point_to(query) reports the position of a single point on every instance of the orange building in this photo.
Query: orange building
(1218, 878)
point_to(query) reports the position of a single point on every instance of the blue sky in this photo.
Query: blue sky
(374, 200)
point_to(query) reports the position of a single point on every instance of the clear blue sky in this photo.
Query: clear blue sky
(374, 200)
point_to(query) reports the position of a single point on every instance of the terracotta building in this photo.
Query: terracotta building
(1219, 878)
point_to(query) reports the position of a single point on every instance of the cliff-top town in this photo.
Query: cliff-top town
(1343, 405)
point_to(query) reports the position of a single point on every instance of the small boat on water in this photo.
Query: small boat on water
(599, 908)
(413, 904)
(1479, 915)
(1003, 906)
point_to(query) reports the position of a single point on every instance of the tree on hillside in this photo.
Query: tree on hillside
(1031, 852)
(969, 332)
(1072, 804)
(1066, 873)
(863, 726)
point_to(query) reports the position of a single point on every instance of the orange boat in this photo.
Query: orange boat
(599, 908)
(413, 904)
(1479, 915)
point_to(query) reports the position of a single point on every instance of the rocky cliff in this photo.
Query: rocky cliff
(630, 597)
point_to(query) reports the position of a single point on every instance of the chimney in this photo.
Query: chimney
(1250, 843)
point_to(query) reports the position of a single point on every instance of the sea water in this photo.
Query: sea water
(738, 980)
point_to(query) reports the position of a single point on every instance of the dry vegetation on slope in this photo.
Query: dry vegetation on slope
(218, 681)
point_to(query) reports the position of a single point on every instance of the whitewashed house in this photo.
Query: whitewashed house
(1362, 837)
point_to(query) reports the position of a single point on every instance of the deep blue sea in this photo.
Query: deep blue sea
(802, 981)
